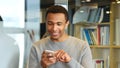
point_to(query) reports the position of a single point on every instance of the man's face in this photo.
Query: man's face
(56, 24)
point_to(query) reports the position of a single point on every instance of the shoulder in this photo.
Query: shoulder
(78, 41)
(39, 46)
(41, 42)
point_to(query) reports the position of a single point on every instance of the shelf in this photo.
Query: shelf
(104, 23)
(86, 24)
(92, 24)
(116, 46)
(100, 46)
(105, 46)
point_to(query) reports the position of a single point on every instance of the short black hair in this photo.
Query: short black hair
(57, 9)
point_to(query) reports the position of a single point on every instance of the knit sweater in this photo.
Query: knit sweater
(79, 51)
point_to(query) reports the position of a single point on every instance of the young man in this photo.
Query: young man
(59, 50)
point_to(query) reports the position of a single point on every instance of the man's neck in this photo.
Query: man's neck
(63, 38)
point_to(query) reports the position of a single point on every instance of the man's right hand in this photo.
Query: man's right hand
(47, 60)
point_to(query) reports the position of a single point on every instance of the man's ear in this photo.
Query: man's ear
(67, 23)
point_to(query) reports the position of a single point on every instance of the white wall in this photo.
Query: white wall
(12, 12)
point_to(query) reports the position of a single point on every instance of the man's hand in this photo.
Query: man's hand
(47, 59)
(62, 56)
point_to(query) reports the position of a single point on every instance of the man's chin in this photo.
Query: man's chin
(54, 38)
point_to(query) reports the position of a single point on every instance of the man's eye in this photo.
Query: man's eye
(49, 23)
(59, 24)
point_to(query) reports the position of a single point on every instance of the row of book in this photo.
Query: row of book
(98, 63)
(103, 35)
(89, 35)
(98, 35)
(101, 63)
(100, 14)
(92, 14)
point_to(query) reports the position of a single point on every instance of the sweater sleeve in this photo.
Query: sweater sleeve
(74, 64)
(86, 60)
(33, 60)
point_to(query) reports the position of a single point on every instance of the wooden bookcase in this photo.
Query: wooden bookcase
(111, 52)
(114, 49)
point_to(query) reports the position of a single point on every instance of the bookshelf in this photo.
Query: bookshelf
(115, 47)
(109, 52)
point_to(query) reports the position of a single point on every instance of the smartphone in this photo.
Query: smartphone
(49, 53)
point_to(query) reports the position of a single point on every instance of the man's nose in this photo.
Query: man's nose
(54, 27)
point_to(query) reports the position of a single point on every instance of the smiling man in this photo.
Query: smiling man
(59, 50)
(56, 24)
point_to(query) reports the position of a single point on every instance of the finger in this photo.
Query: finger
(43, 54)
(52, 60)
(60, 54)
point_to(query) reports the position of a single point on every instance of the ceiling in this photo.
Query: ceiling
(47, 3)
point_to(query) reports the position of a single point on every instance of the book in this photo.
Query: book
(92, 15)
(101, 35)
(87, 36)
(98, 35)
(107, 36)
(104, 35)
(98, 15)
(81, 15)
(94, 37)
(101, 15)
(98, 63)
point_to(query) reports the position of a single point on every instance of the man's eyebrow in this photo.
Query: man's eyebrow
(59, 22)
(49, 21)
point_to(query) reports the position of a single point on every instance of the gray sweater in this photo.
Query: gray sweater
(78, 49)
